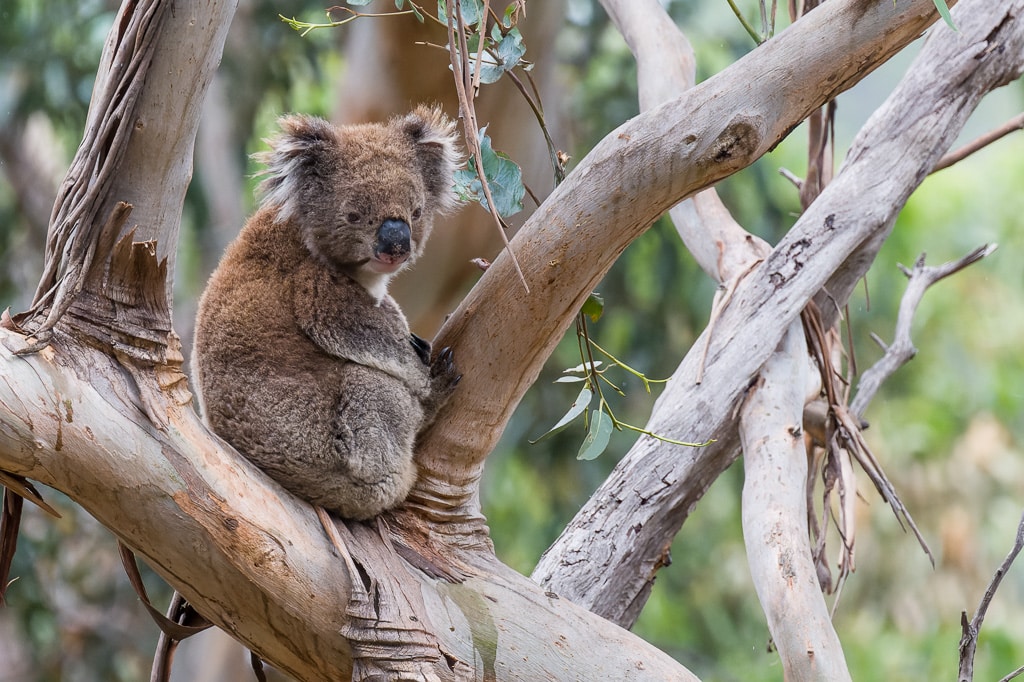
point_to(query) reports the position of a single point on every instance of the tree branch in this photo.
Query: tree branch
(652, 490)
(256, 561)
(1014, 124)
(902, 349)
(718, 127)
(971, 630)
(131, 122)
(775, 516)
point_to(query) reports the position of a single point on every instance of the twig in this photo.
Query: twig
(792, 177)
(460, 70)
(902, 349)
(482, 40)
(538, 113)
(1012, 675)
(969, 639)
(305, 27)
(1015, 123)
(746, 24)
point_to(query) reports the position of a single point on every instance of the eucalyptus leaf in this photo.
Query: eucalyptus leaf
(585, 367)
(400, 4)
(597, 438)
(504, 54)
(504, 177)
(593, 307)
(472, 10)
(944, 13)
(578, 408)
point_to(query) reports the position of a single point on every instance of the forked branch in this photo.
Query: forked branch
(902, 349)
(972, 628)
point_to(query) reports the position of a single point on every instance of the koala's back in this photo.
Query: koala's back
(303, 362)
(250, 355)
(266, 387)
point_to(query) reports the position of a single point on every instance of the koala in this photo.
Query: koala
(302, 361)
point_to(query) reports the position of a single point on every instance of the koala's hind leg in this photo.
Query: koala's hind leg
(372, 434)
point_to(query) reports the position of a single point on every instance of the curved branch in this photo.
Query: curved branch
(902, 349)
(256, 561)
(662, 156)
(972, 628)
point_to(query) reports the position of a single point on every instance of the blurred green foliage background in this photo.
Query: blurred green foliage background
(948, 427)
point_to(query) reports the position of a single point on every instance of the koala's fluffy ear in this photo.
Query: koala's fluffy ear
(437, 151)
(298, 158)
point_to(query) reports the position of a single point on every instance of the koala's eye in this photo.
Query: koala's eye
(417, 213)
(353, 217)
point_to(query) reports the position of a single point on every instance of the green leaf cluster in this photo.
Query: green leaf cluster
(504, 177)
(503, 54)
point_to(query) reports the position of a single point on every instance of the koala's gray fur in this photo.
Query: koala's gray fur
(303, 362)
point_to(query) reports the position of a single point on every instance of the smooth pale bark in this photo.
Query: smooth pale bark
(666, 68)
(774, 503)
(652, 490)
(255, 559)
(166, 121)
(775, 517)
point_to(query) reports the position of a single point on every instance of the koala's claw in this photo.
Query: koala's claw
(444, 367)
(422, 348)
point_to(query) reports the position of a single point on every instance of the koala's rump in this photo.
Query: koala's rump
(328, 430)
(332, 431)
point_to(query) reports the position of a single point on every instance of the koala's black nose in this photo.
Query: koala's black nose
(393, 238)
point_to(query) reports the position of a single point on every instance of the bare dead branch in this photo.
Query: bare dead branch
(902, 349)
(1015, 673)
(796, 180)
(1014, 124)
(971, 629)
(834, 466)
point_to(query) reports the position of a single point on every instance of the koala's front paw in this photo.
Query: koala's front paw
(443, 374)
(444, 377)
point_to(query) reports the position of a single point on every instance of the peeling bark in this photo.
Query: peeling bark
(130, 125)
(256, 561)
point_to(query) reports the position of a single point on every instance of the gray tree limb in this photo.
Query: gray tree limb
(652, 490)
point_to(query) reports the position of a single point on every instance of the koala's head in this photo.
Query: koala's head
(362, 196)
